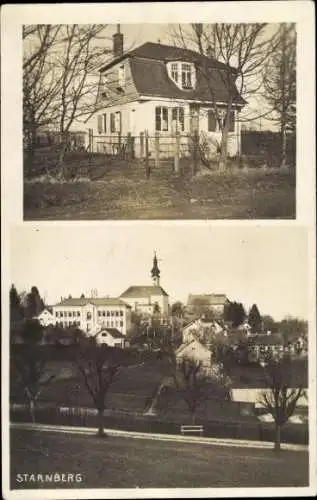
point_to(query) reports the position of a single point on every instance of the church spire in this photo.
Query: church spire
(155, 272)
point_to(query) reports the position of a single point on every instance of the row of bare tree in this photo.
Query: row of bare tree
(99, 366)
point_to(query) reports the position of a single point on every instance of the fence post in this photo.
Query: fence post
(141, 144)
(157, 149)
(129, 147)
(195, 153)
(176, 156)
(147, 156)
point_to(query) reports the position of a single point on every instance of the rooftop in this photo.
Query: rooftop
(113, 332)
(212, 299)
(149, 73)
(102, 301)
(143, 291)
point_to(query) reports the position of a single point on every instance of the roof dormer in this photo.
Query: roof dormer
(182, 73)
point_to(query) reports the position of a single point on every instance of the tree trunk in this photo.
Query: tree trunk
(61, 156)
(193, 418)
(283, 146)
(277, 444)
(32, 410)
(101, 431)
(224, 143)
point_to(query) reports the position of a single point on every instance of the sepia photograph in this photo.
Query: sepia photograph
(144, 359)
(159, 121)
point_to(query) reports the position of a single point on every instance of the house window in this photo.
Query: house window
(115, 122)
(104, 313)
(56, 314)
(88, 315)
(99, 313)
(78, 313)
(99, 124)
(121, 323)
(112, 123)
(178, 119)
(174, 72)
(186, 76)
(161, 119)
(105, 122)
(212, 122)
(121, 76)
(117, 313)
(62, 314)
(121, 313)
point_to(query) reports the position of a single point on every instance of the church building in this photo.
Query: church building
(148, 299)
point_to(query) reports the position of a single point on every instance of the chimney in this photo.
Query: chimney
(210, 52)
(117, 43)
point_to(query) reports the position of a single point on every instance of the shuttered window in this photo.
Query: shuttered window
(112, 123)
(99, 124)
(105, 122)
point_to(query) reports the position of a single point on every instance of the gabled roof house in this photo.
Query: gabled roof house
(163, 89)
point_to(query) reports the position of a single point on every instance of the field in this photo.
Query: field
(119, 190)
(122, 462)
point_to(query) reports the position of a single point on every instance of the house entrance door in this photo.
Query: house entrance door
(194, 118)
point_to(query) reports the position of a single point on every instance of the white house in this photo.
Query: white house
(198, 328)
(148, 299)
(89, 314)
(194, 350)
(163, 89)
(46, 317)
(111, 337)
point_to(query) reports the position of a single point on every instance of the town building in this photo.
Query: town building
(148, 299)
(163, 89)
(111, 337)
(90, 314)
(46, 317)
(215, 303)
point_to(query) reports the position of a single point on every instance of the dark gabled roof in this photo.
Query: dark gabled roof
(113, 332)
(79, 302)
(211, 299)
(149, 73)
(143, 291)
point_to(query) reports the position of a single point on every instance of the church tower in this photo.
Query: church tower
(155, 272)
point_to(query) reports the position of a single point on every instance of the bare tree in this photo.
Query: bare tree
(98, 367)
(280, 399)
(280, 84)
(191, 383)
(29, 364)
(40, 82)
(59, 85)
(242, 49)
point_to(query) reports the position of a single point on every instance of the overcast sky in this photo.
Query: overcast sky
(265, 265)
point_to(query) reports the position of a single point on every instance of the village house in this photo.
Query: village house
(148, 299)
(266, 345)
(200, 328)
(215, 303)
(89, 314)
(162, 89)
(46, 317)
(194, 350)
(111, 337)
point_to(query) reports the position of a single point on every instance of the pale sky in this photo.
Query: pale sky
(263, 265)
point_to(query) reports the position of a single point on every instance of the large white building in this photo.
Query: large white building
(92, 314)
(148, 299)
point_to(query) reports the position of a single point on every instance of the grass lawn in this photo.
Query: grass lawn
(122, 462)
(121, 191)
